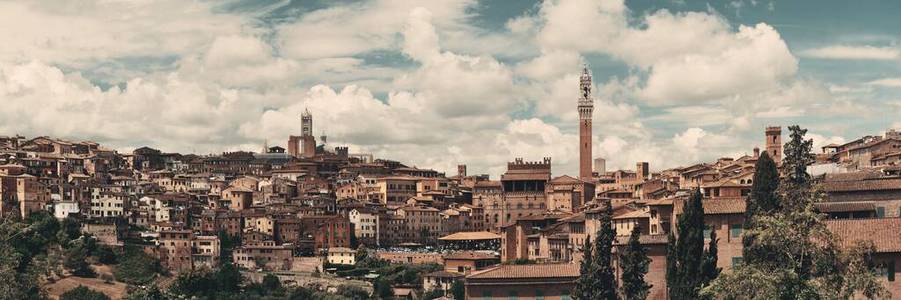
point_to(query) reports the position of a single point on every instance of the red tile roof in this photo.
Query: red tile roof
(883, 232)
(644, 239)
(469, 255)
(827, 207)
(862, 185)
(466, 236)
(717, 206)
(528, 271)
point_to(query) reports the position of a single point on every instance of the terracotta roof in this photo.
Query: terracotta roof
(862, 185)
(470, 255)
(852, 176)
(661, 202)
(443, 274)
(238, 189)
(488, 183)
(717, 206)
(724, 206)
(828, 207)
(340, 250)
(883, 232)
(565, 179)
(528, 271)
(637, 214)
(656, 239)
(466, 236)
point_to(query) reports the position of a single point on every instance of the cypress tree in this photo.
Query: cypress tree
(708, 269)
(763, 199)
(635, 261)
(795, 255)
(798, 156)
(604, 275)
(585, 282)
(685, 255)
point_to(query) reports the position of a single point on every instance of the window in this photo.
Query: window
(890, 271)
(735, 230)
(486, 295)
(880, 212)
(539, 295)
(564, 295)
(514, 295)
(707, 229)
(737, 261)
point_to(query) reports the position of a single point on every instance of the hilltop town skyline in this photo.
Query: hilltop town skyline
(450, 149)
(440, 84)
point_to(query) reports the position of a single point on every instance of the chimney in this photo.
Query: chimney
(756, 152)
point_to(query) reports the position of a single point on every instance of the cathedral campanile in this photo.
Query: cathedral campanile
(586, 107)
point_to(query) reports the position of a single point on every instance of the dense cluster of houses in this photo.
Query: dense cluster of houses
(312, 201)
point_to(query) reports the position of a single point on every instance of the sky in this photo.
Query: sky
(440, 83)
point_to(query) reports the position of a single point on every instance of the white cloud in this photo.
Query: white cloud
(819, 141)
(351, 29)
(854, 52)
(230, 85)
(887, 82)
(688, 57)
(86, 33)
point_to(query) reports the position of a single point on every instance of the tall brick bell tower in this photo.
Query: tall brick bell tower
(586, 107)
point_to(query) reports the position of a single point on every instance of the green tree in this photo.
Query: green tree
(381, 289)
(227, 245)
(685, 253)
(229, 278)
(136, 267)
(83, 293)
(458, 290)
(106, 255)
(763, 199)
(603, 274)
(195, 283)
(585, 284)
(803, 258)
(709, 270)
(432, 294)
(353, 292)
(10, 285)
(151, 293)
(634, 262)
(76, 260)
(798, 156)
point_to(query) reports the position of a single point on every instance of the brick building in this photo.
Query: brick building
(544, 281)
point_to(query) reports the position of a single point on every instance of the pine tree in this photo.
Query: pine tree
(685, 255)
(762, 200)
(585, 283)
(634, 262)
(604, 275)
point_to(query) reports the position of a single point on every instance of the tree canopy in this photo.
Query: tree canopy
(795, 255)
(634, 262)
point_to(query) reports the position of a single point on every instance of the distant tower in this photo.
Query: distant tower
(586, 107)
(461, 170)
(642, 170)
(774, 143)
(307, 141)
(306, 123)
(600, 166)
